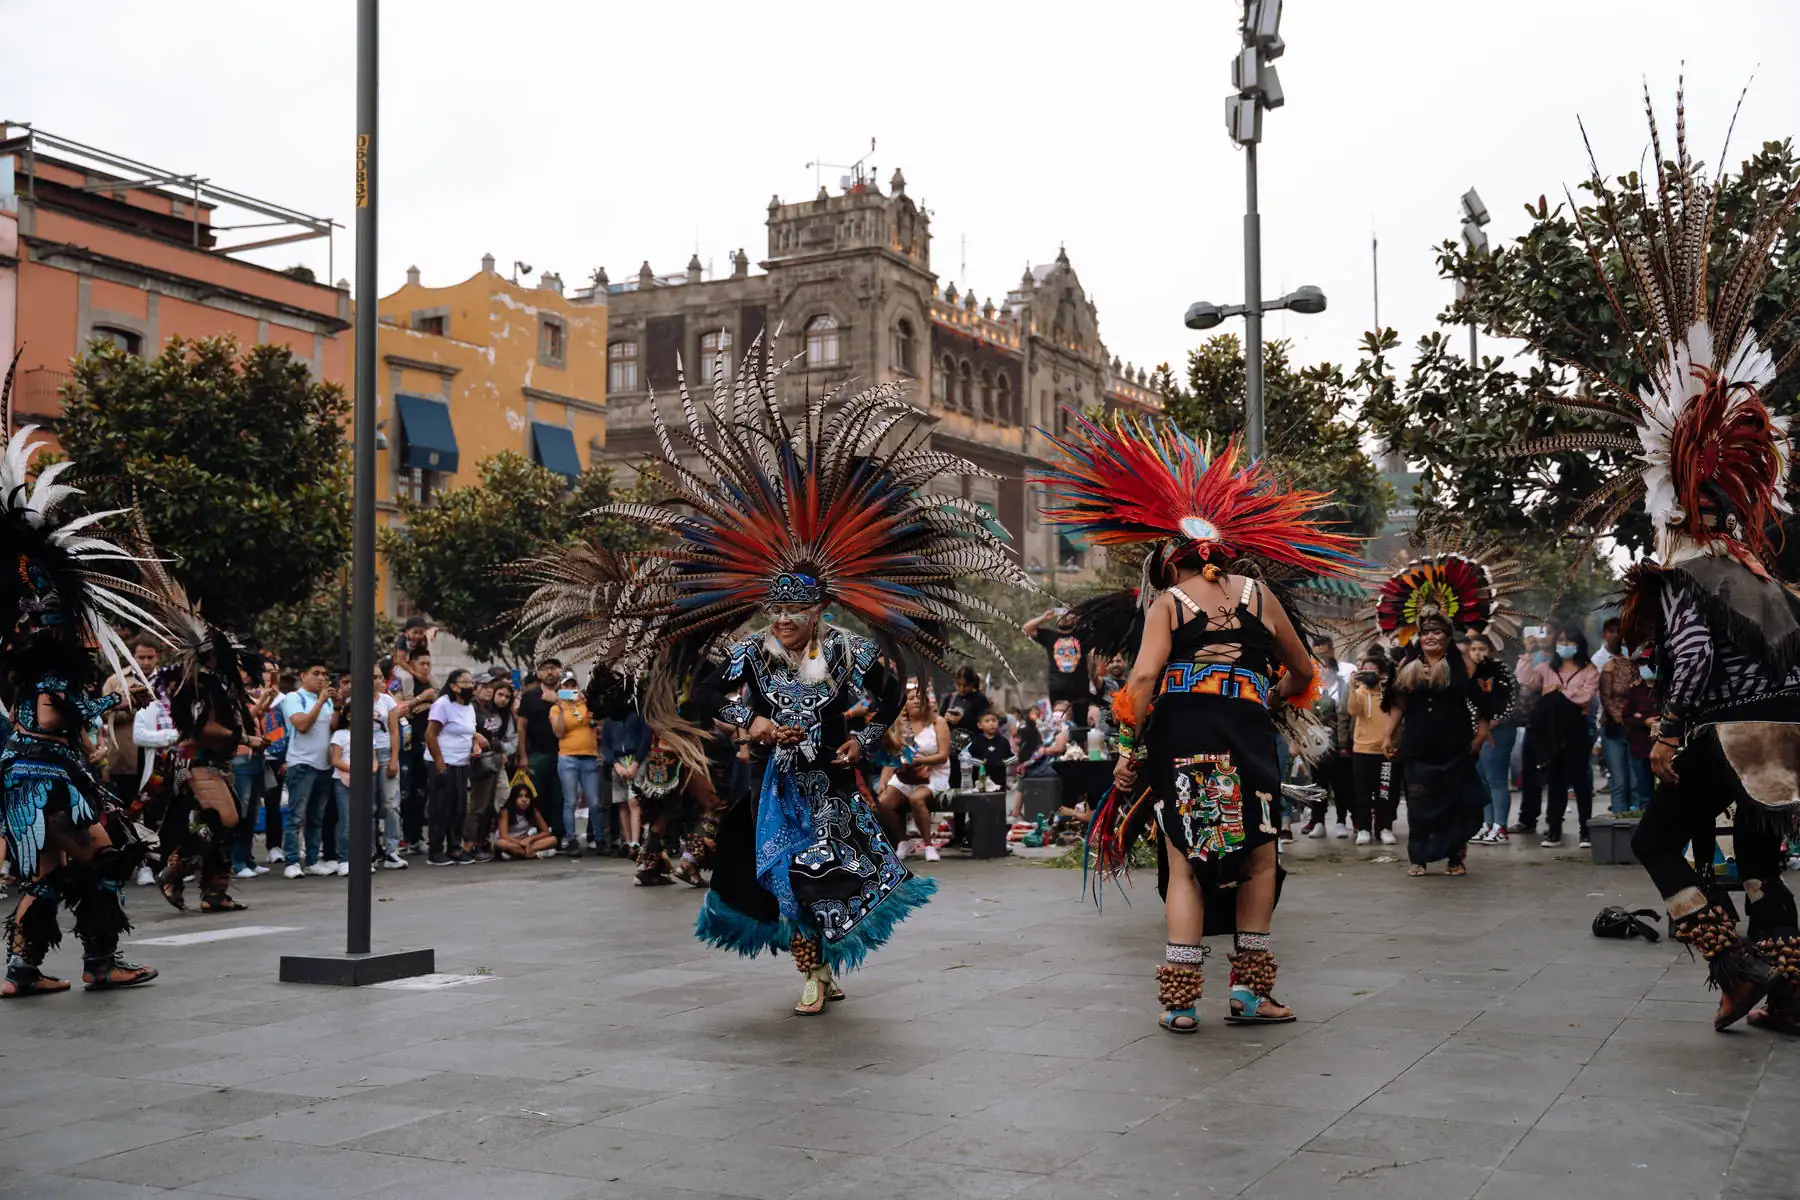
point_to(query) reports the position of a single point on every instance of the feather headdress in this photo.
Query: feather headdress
(201, 674)
(1136, 479)
(1715, 459)
(835, 511)
(61, 587)
(1464, 590)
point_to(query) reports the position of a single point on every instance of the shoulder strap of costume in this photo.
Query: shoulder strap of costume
(1186, 601)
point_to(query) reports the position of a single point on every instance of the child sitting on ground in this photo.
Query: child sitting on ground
(523, 832)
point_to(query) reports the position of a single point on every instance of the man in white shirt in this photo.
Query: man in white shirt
(152, 730)
(308, 714)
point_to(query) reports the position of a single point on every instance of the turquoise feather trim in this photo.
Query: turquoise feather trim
(725, 927)
(872, 932)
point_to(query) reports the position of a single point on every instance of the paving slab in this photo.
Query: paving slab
(1457, 1038)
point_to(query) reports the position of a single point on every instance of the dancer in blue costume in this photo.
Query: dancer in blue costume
(780, 523)
(65, 839)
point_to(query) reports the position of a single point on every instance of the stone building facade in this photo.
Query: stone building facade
(846, 289)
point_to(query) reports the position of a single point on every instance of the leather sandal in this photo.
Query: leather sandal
(1172, 1015)
(812, 995)
(133, 974)
(19, 985)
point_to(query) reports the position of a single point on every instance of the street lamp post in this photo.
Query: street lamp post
(1258, 88)
(1475, 242)
(357, 966)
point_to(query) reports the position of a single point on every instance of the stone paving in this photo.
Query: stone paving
(1458, 1038)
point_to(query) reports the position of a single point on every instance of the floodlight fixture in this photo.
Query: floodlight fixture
(1305, 299)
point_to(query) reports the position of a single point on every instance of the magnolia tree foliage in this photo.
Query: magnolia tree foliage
(237, 461)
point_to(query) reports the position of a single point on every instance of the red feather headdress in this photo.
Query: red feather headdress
(1138, 480)
(1715, 459)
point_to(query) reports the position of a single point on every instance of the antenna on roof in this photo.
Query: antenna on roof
(855, 179)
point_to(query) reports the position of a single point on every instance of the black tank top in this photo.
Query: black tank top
(1202, 638)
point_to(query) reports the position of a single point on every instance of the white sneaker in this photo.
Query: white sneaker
(1338, 830)
(1318, 830)
(931, 852)
(145, 877)
(903, 850)
(1362, 837)
(1388, 838)
(323, 867)
(343, 868)
(277, 855)
(550, 853)
(294, 871)
(1483, 834)
(258, 869)
(246, 872)
(394, 862)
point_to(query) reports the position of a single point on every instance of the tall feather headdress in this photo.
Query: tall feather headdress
(1714, 458)
(1466, 590)
(61, 585)
(1132, 479)
(834, 511)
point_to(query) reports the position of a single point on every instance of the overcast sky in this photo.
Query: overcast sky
(572, 134)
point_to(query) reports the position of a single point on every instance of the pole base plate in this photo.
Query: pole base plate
(356, 970)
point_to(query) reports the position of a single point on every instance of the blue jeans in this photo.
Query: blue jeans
(247, 777)
(387, 795)
(1495, 768)
(1639, 769)
(1617, 752)
(309, 791)
(579, 775)
(340, 792)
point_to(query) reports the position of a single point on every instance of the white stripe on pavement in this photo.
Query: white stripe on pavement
(431, 983)
(214, 935)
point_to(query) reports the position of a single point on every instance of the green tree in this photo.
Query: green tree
(1311, 432)
(1460, 421)
(237, 461)
(451, 556)
(314, 628)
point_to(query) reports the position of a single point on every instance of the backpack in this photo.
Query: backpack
(1614, 922)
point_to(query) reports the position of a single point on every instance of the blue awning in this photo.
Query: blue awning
(553, 446)
(428, 439)
(993, 522)
(1074, 543)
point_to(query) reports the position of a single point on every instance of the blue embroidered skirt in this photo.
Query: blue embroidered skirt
(806, 857)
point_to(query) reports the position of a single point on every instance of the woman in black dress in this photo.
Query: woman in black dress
(1440, 700)
(1436, 729)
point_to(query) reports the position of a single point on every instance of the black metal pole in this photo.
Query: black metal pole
(362, 653)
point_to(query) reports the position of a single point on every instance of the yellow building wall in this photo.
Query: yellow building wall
(488, 367)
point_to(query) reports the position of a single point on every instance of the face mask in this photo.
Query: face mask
(568, 694)
(1540, 656)
(1646, 673)
(1564, 650)
(1366, 678)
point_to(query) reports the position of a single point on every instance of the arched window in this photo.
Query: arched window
(987, 395)
(822, 341)
(123, 339)
(622, 367)
(903, 347)
(967, 398)
(1005, 404)
(715, 356)
(940, 382)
